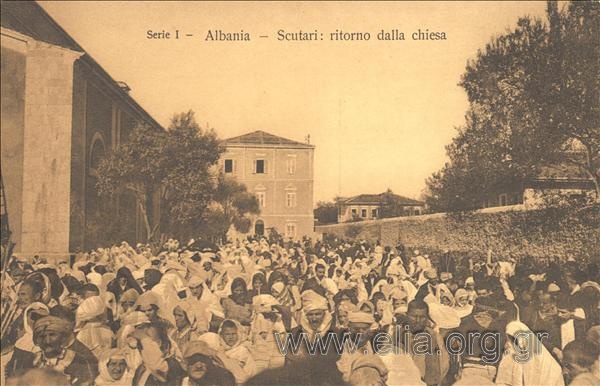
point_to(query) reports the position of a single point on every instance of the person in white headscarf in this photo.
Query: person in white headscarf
(344, 308)
(91, 325)
(396, 268)
(314, 317)
(153, 306)
(429, 289)
(339, 278)
(286, 295)
(399, 300)
(127, 345)
(213, 341)
(236, 347)
(186, 328)
(529, 362)
(355, 281)
(266, 324)
(24, 344)
(461, 303)
(127, 303)
(361, 325)
(114, 369)
(33, 311)
(385, 310)
(203, 303)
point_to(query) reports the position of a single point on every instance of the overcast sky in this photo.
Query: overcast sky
(379, 112)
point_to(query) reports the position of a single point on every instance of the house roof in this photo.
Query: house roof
(378, 199)
(262, 138)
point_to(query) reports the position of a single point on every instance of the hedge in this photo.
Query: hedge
(541, 233)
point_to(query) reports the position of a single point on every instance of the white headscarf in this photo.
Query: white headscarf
(539, 369)
(89, 309)
(104, 378)
(25, 343)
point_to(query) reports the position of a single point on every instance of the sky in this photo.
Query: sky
(379, 112)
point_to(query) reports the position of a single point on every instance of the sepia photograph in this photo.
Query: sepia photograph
(257, 193)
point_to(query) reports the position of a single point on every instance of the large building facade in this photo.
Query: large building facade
(61, 112)
(279, 172)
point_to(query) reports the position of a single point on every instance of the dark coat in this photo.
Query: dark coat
(80, 371)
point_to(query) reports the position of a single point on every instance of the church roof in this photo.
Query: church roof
(264, 139)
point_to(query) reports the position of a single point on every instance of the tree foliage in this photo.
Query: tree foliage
(177, 167)
(232, 205)
(392, 205)
(136, 166)
(533, 95)
(190, 155)
(326, 212)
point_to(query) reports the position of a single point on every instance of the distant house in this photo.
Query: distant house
(372, 207)
(552, 180)
(279, 171)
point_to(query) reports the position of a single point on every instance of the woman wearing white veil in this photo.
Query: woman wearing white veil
(528, 362)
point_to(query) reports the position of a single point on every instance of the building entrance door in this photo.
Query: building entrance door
(259, 228)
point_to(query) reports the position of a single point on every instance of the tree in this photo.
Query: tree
(326, 212)
(390, 205)
(232, 205)
(191, 154)
(533, 96)
(172, 166)
(574, 36)
(136, 166)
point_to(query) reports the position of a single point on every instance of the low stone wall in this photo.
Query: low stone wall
(507, 231)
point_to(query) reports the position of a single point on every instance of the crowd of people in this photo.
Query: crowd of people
(248, 313)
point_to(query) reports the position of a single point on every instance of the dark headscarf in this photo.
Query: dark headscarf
(276, 276)
(350, 292)
(56, 288)
(264, 288)
(242, 299)
(152, 277)
(216, 374)
(115, 287)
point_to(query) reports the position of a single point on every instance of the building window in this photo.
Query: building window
(260, 166)
(363, 213)
(262, 199)
(502, 200)
(96, 153)
(353, 212)
(290, 199)
(374, 213)
(291, 165)
(290, 230)
(417, 212)
(228, 166)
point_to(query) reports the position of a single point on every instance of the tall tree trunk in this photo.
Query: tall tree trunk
(149, 229)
